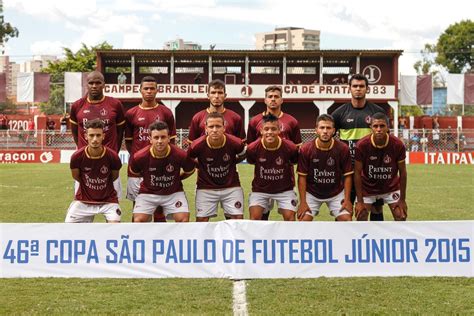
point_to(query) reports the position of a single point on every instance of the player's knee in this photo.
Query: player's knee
(181, 217)
(141, 218)
(344, 218)
(363, 215)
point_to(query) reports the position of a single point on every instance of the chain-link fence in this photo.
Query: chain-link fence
(427, 140)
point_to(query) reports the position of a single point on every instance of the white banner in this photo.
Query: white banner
(455, 87)
(237, 249)
(72, 86)
(407, 90)
(25, 87)
(193, 91)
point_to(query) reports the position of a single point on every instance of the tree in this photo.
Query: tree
(427, 65)
(7, 31)
(84, 60)
(455, 47)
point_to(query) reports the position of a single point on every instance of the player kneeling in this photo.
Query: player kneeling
(380, 171)
(325, 174)
(160, 165)
(273, 180)
(95, 167)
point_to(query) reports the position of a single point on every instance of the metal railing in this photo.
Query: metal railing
(424, 140)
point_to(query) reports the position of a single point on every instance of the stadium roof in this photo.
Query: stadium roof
(150, 55)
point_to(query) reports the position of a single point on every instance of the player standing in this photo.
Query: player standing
(96, 105)
(380, 171)
(289, 127)
(234, 124)
(325, 174)
(95, 167)
(160, 165)
(137, 134)
(217, 155)
(352, 120)
(273, 180)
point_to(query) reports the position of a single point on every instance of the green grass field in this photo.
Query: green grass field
(42, 193)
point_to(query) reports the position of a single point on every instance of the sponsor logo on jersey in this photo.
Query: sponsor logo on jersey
(349, 120)
(104, 169)
(262, 159)
(209, 159)
(87, 169)
(152, 169)
(86, 111)
(141, 119)
(316, 160)
(373, 157)
(170, 168)
(387, 159)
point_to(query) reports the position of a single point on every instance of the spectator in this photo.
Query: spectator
(3, 122)
(461, 140)
(415, 141)
(63, 123)
(435, 122)
(31, 131)
(50, 126)
(436, 139)
(122, 78)
(450, 143)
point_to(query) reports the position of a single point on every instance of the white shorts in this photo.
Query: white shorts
(80, 212)
(231, 200)
(117, 187)
(285, 200)
(334, 204)
(388, 198)
(173, 203)
(133, 186)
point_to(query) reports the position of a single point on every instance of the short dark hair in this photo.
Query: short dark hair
(215, 115)
(273, 88)
(269, 118)
(359, 77)
(158, 126)
(217, 84)
(379, 116)
(148, 79)
(95, 123)
(326, 118)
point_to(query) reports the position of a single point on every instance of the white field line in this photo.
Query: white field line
(240, 298)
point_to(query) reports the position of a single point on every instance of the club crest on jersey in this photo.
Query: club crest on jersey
(331, 161)
(103, 112)
(279, 161)
(238, 204)
(282, 127)
(368, 119)
(170, 168)
(387, 159)
(118, 211)
(104, 169)
(158, 118)
(226, 157)
(178, 204)
(293, 202)
(395, 196)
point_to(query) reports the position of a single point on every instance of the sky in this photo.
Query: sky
(48, 25)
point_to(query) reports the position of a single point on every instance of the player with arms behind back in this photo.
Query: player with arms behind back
(274, 178)
(160, 165)
(380, 171)
(217, 155)
(95, 167)
(325, 174)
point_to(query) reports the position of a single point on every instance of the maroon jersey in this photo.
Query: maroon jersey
(217, 166)
(324, 168)
(161, 175)
(289, 128)
(234, 124)
(110, 111)
(138, 119)
(273, 171)
(380, 164)
(96, 185)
